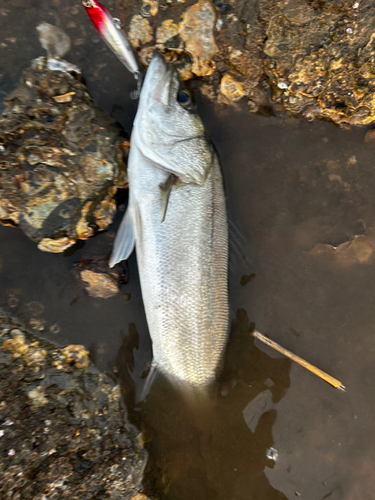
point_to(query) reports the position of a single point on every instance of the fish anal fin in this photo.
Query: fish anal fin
(125, 239)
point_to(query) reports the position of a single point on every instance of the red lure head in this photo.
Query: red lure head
(96, 12)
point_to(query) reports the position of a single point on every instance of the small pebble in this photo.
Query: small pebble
(11, 453)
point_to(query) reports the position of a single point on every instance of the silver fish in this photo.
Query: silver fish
(182, 250)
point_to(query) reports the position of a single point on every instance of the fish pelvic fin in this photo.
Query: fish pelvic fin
(165, 190)
(125, 239)
(150, 379)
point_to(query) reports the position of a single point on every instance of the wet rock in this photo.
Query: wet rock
(150, 7)
(357, 251)
(311, 59)
(100, 285)
(76, 355)
(196, 31)
(18, 347)
(63, 429)
(165, 32)
(140, 31)
(231, 89)
(37, 397)
(53, 39)
(57, 245)
(60, 158)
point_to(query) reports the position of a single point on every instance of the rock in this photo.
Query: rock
(60, 159)
(309, 59)
(58, 245)
(196, 31)
(31, 353)
(100, 285)
(53, 39)
(76, 355)
(64, 432)
(150, 7)
(166, 31)
(140, 31)
(37, 397)
(231, 89)
(357, 251)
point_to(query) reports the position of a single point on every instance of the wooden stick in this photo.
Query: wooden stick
(331, 380)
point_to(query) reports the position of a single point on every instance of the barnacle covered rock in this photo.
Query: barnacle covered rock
(76, 355)
(99, 285)
(196, 31)
(308, 58)
(59, 158)
(64, 430)
(231, 89)
(140, 31)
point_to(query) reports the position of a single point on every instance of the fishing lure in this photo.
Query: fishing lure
(109, 29)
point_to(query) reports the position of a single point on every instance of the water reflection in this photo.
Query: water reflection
(204, 448)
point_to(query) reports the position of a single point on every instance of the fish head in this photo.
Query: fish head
(169, 132)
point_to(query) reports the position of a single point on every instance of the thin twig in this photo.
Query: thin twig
(320, 373)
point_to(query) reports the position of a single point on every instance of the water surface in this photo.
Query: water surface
(289, 185)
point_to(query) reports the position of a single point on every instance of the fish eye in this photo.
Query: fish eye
(87, 3)
(184, 98)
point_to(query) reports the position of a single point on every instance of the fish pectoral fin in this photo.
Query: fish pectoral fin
(125, 240)
(165, 190)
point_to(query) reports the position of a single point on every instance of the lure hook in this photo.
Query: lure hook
(117, 23)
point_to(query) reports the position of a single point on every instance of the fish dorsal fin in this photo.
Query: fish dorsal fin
(165, 190)
(125, 239)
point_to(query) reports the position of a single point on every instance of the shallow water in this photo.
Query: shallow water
(289, 185)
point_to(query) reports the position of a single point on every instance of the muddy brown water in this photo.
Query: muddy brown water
(270, 430)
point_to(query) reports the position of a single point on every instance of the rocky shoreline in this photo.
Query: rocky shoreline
(64, 431)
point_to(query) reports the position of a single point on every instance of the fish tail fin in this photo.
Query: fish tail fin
(125, 240)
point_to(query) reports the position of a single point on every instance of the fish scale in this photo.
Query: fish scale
(183, 261)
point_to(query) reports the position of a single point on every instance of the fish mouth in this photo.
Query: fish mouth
(158, 81)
